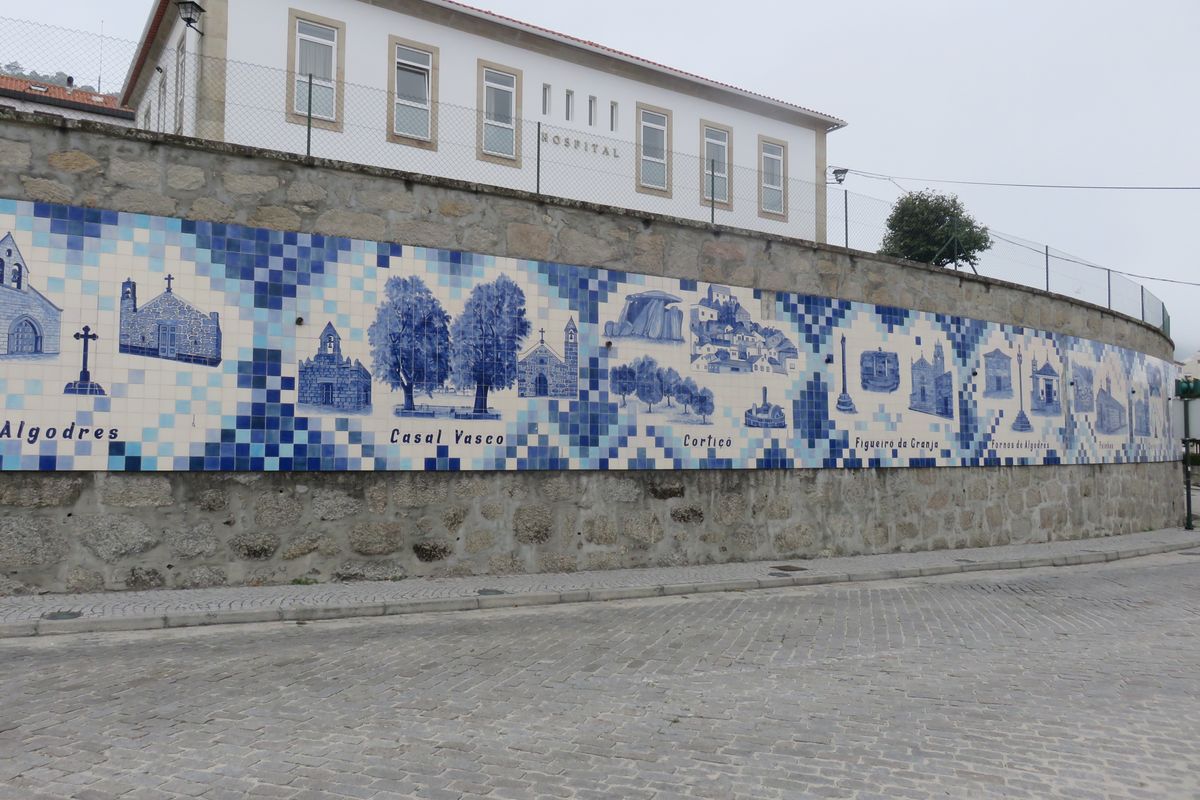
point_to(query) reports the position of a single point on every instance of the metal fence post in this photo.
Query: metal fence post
(1047, 268)
(712, 191)
(1187, 466)
(539, 158)
(846, 216)
(1109, 271)
(1143, 288)
(308, 132)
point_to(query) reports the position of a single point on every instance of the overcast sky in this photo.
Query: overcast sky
(1024, 91)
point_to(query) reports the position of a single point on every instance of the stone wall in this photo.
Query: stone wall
(80, 532)
(118, 531)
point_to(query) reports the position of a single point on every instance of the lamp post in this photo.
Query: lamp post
(839, 176)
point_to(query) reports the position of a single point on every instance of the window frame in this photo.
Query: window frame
(613, 116)
(295, 16)
(705, 200)
(569, 105)
(180, 76)
(592, 106)
(547, 91)
(430, 143)
(783, 175)
(643, 188)
(482, 68)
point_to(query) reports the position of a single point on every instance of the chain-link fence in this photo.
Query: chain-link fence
(499, 143)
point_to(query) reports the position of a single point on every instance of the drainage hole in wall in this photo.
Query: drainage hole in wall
(490, 591)
(56, 615)
(789, 568)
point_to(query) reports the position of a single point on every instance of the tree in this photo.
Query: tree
(703, 404)
(934, 229)
(669, 379)
(649, 387)
(410, 339)
(486, 337)
(623, 381)
(685, 392)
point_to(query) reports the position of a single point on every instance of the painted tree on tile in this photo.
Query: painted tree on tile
(649, 386)
(685, 393)
(623, 381)
(486, 338)
(703, 404)
(669, 379)
(410, 339)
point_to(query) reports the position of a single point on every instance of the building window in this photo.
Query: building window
(316, 47)
(412, 87)
(716, 171)
(162, 102)
(545, 99)
(612, 116)
(772, 178)
(500, 122)
(570, 105)
(591, 111)
(180, 85)
(654, 150)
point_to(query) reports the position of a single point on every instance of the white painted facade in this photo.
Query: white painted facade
(593, 156)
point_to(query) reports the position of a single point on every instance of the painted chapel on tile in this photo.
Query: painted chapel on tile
(29, 323)
(541, 372)
(331, 380)
(168, 327)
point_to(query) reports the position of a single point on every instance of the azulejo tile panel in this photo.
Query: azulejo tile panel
(135, 342)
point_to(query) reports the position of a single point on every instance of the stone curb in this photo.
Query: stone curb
(185, 619)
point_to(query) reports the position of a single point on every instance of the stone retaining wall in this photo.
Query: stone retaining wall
(78, 532)
(116, 531)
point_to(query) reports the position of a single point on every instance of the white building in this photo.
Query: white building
(440, 88)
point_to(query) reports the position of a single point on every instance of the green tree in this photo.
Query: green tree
(934, 229)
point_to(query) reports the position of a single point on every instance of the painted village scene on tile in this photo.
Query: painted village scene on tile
(133, 342)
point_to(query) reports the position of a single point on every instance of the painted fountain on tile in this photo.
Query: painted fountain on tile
(265, 350)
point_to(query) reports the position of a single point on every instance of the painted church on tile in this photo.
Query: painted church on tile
(168, 327)
(29, 323)
(332, 380)
(541, 372)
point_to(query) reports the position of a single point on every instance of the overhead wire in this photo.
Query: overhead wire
(892, 179)
(1104, 187)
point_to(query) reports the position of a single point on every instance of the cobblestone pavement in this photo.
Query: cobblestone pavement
(69, 613)
(1071, 683)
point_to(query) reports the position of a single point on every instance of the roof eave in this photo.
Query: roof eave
(145, 42)
(831, 123)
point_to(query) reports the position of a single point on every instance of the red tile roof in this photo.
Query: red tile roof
(53, 94)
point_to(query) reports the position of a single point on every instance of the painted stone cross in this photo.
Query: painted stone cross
(85, 384)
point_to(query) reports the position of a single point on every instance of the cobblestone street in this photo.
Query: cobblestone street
(1074, 682)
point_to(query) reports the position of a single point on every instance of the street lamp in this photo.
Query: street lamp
(190, 12)
(839, 176)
